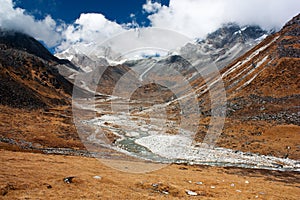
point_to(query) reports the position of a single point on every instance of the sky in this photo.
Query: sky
(69, 11)
(60, 24)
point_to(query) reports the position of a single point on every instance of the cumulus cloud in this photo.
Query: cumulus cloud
(196, 18)
(89, 28)
(151, 7)
(46, 30)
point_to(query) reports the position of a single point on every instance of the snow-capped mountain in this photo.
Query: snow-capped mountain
(87, 58)
(218, 48)
(92, 50)
(224, 45)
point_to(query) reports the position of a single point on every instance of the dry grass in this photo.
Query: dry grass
(38, 176)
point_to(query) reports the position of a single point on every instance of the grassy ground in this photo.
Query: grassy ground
(38, 176)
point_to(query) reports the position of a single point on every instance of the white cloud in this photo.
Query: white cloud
(150, 7)
(46, 30)
(89, 28)
(196, 18)
(193, 18)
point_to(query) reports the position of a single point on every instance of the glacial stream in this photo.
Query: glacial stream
(146, 141)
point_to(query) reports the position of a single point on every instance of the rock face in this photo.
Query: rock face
(232, 33)
(28, 76)
(289, 45)
(224, 45)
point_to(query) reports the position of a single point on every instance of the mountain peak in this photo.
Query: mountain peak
(232, 32)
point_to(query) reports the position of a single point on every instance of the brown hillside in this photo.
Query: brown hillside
(263, 96)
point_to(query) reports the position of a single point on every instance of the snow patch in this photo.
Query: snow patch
(240, 63)
(262, 37)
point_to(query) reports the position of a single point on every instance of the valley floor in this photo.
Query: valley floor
(39, 176)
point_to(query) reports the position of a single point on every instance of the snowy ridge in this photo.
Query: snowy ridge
(255, 75)
(250, 68)
(241, 63)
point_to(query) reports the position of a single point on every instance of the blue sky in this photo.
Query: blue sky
(61, 24)
(70, 10)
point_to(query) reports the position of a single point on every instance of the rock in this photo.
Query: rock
(232, 185)
(212, 187)
(97, 177)
(183, 168)
(199, 183)
(261, 193)
(238, 190)
(69, 179)
(247, 182)
(48, 185)
(5, 190)
(165, 192)
(191, 193)
(278, 165)
(155, 185)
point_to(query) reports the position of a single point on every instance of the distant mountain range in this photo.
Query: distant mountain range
(218, 48)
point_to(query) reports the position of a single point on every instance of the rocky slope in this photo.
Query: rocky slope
(34, 97)
(263, 93)
(218, 48)
(224, 45)
(28, 76)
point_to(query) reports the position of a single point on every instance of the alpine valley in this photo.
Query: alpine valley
(219, 131)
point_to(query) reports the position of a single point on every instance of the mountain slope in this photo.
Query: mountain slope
(263, 93)
(28, 76)
(219, 47)
(223, 45)
(35, 100)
